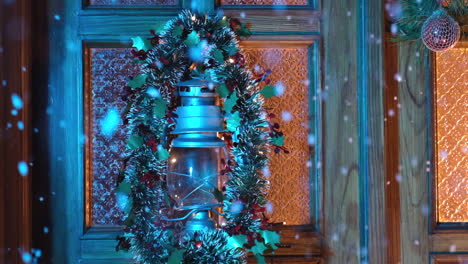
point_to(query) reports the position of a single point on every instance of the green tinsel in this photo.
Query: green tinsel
(416, 12)
(165, 62)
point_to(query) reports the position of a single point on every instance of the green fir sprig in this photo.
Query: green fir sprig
(416, 12)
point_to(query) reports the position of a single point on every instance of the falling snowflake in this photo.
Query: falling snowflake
(110, 122)
(286, 116)
(16, 101)
(23, 168)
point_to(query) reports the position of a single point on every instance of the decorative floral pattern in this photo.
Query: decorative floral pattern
(289, 173)
(133, 2)
(110, 68)
(452, 135)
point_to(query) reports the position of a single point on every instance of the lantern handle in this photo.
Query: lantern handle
(190, 213)
(181, 218)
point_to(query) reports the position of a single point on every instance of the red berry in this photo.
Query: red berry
(198, 244)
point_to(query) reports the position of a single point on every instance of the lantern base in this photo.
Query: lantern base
(200, 221)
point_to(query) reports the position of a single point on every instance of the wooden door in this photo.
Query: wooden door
(426, 189)
(376, 190)
(431, 211)
(88, 64)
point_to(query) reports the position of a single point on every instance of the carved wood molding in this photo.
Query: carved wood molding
(298, 243)
(449, 258)
(122, 25)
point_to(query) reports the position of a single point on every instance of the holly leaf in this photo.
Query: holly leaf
(142, 43)
(258, 248)
(218, 56)
(244, 32)
(278, 141)
(124, 187)
(268, 91)
(231, 49)
(137, 81)
(260, 259)
(128, 205)
(137, 61)
(134, 142)
(167, 199)
(233, 122)
(218, 194)
(192, 39)
(176, 256)
(236, 241)
(271, 238)
(163, 154)
(129, 219)
(230, 102)
(159, 108)
(159, 27)
(223, 91)
(177, 31)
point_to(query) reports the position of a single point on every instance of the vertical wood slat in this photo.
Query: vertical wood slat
(414, 151)
(392, 185)
(340, 134)
(371, 131)
(354, 131)
(15, 206)
(65, 125)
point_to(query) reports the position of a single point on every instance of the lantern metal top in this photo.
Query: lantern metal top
(197, 82)
(199, 118)
(197, 91)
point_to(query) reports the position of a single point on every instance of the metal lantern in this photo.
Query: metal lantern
(196, 154)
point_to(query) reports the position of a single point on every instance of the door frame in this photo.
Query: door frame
(72, 241)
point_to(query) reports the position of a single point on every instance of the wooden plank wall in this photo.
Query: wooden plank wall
(339, 93)
(392, 161)
(354, 167)
(414, 152)
(340, 133)
(15, 209)
(372, 128)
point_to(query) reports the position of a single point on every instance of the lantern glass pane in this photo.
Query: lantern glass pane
(193, 174)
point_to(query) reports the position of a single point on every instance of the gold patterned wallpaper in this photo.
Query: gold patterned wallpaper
(289, 173)
(451, 124)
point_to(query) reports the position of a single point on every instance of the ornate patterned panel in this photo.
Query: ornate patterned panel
(289, 173)
(109, 71)
(451, 126)
(133, 2)
(264, 2)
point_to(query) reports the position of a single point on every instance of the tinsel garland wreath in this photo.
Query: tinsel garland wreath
(196, 45)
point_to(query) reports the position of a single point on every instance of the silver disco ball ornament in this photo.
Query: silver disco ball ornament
(440, 32)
